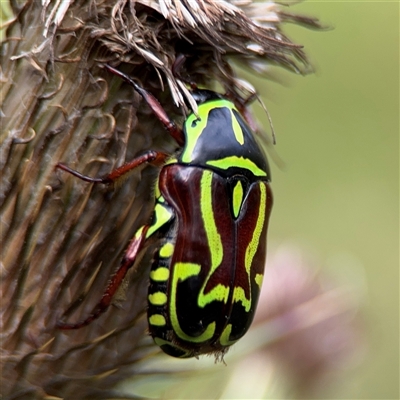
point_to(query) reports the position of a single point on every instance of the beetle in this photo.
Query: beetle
(212, 206)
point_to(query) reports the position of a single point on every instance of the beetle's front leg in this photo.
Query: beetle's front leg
(127, 262)
(154, 104)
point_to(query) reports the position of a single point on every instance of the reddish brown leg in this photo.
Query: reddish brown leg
(155, 106)
(127, 262)
(152, 157)
(242, 106)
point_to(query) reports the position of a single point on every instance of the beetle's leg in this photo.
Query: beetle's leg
(242, 106)
(127, 262)
(152, 157)
(155, 106)
(162, 216)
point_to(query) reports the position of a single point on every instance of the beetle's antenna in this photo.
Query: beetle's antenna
(177, 68)
(176, 72)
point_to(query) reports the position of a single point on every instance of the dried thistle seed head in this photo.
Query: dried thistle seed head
(62, 238)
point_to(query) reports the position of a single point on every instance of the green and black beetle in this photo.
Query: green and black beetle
(212, 206)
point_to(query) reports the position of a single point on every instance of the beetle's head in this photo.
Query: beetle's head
(203, 95)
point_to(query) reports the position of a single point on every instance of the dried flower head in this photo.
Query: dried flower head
(61, 238)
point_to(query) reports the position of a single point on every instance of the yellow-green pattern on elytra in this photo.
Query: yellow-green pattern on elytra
(219, 197)
(207, 231)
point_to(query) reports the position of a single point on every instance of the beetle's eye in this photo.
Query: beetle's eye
(194, 123)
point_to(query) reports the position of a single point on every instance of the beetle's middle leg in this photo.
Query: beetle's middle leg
(152, 157)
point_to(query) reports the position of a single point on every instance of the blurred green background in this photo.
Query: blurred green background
(338, 134)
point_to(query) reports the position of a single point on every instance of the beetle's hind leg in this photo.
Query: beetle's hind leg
(127, 262)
